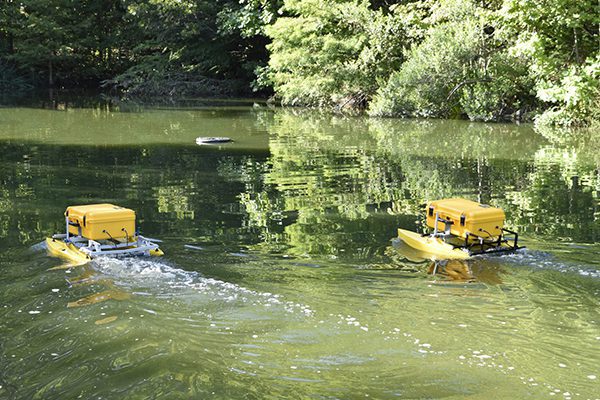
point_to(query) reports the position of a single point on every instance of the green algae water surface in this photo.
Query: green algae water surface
(281, 277)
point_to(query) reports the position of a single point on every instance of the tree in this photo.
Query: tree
(332, 53)
(461, 67)
(195, 47)
(66, 41)
(562, 39)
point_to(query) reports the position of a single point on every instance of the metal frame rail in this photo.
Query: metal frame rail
(498, 245)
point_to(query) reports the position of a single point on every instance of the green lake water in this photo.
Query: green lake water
(281, 276)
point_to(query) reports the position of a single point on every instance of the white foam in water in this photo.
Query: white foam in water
(542, 260)
(140, 271)
(38, 247)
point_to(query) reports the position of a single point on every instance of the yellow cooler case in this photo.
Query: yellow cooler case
(101, 221)
(468, 218)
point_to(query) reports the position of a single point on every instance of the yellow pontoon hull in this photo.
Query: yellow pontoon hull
(156, 253)
(67, 251)
(436, 247)
(70, 252)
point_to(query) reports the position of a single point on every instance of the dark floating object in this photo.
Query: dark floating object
(212, 140)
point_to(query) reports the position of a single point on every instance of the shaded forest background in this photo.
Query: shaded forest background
(486, 60)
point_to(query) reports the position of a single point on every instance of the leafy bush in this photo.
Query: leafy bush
(461, 68)
(575, 99)
(424, 84)
(503, 90)
(154, 79)
(560, 38)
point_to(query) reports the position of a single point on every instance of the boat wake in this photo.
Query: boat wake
(144, 273)
(543, 260)
(148, 274)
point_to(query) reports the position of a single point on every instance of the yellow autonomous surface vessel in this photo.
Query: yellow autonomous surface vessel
(460, 229)
(96, 230)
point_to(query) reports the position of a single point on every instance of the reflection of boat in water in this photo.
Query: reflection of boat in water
(96, 230)
(454, 270)
(477, 270)
(484, 270)
(462, 229)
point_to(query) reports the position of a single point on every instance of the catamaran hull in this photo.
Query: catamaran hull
(72, 253)
(68, 251)
(436, 247)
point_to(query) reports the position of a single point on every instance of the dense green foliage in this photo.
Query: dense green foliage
(488, 61)
(194, 47)
(333, 53)
(65, 42)
(146, 47)
(460, 68)
(562, 40)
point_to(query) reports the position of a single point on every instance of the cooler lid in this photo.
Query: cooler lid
(471, 209)
(100, 212)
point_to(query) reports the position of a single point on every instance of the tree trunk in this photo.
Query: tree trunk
(50, 76)
(576, 46)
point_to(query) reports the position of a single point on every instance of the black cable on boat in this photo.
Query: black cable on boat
(111, 238)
